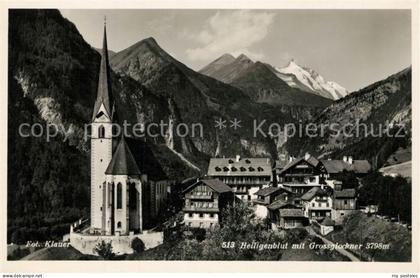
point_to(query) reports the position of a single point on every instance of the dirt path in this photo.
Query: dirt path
(343, 252)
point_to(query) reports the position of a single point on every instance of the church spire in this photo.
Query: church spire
(104, 95)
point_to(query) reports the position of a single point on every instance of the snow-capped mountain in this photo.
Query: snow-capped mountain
(309, 80)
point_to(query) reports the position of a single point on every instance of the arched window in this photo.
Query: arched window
(119, 225)
(101, 131)
(119, 196)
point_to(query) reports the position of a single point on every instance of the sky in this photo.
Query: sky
(351, 47)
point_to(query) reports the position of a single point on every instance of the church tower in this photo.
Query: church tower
(101, 140)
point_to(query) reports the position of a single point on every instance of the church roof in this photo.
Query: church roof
(239, 167)
(123, 162)
(104, 95)
(147, 159)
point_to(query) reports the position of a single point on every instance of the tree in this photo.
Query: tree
(104, 250)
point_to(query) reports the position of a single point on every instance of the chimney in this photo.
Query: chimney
(345, 158)
(290, 158)
(350, 160)
(307, 156)
(238, 157)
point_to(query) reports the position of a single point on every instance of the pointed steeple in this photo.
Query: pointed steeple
(104, 95)
(123, 162)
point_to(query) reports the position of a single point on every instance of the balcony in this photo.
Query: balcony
(202, 209)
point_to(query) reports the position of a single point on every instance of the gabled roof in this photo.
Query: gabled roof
(241, 167)
(314, 191)
(122, 162)
(214, 184)
(345, 193)
(104, 94)
(266, 191)
(291, 212)
(280, 204)
(338, 166)
(311, 161)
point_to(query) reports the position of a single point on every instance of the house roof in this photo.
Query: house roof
(279, 204)
(266, 191)
(311, 160)
(338, 166)
(327, 221)
(214, 184)
(291, 212)
(345, 193)
(243, 167)
(314, 191)
(122, 162)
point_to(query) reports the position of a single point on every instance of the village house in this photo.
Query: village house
(268, 195)
(244, 175)
(317, 203)
(344, 203)
(335, 168)
(204, 201)
(286, 215)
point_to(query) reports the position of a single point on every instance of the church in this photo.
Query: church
(123, 196)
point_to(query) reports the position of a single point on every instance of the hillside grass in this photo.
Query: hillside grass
(361, 228)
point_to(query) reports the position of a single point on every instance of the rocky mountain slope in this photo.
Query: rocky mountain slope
(214, 67)
(229, 70)
(365, 115)
(262, 85)
(309, 80)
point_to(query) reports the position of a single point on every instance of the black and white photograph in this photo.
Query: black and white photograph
(209, 135)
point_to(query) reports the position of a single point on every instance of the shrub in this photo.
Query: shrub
(104, 250)
(138, 245)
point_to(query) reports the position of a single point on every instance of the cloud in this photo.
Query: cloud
(230, 32)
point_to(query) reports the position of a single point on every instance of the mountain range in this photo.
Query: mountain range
(228, 69)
